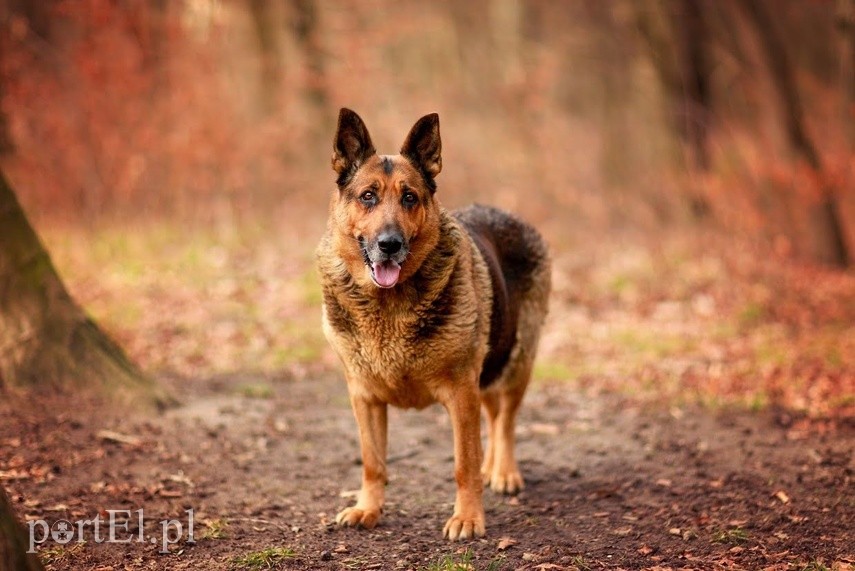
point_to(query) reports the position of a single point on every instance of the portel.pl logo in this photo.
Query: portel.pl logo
(115, 528)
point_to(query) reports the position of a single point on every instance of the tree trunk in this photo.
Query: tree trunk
(267, 31)
(13, 541)
(7, 147)
(307, 31)
(824, 216)
(46, 340)
(6, 144)
(676, 37)
(846, 27)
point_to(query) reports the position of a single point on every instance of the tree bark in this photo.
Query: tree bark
(825, 216)
(13, 541)
(46, 339)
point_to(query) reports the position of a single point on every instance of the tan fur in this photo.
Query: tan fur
(424, 340)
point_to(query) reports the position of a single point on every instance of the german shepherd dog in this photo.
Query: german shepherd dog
(423, 305)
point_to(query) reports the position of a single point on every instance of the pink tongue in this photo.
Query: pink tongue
(386, 273)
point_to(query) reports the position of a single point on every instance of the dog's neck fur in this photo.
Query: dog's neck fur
(348, 300)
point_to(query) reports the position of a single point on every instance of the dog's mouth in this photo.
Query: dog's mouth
(384, 273)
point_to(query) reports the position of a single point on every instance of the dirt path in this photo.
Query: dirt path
(610, 485)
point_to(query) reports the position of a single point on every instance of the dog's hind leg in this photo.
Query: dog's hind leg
(371, 417)
(490, 402)
(504, 475)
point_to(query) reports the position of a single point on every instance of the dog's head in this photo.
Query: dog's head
(384, 216)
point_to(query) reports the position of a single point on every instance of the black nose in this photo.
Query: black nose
(390, 242)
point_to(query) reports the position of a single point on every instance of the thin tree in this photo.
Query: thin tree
(264, 18)
(676, 36)
(308, 33)
(46, 339)
(825, 216)
(846, 28)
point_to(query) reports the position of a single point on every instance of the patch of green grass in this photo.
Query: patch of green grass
(268, 558)
(732, 536)
(770, 352)
(834, 357)
(60, 554)
(758, 401)
(311, 288)
(551, 371)
(256, 391)
(638, 343)
(842, 401)
(579, 563)
(305, 343)
(450, 563)
(751, 314)
(620, 283)
(215, 529)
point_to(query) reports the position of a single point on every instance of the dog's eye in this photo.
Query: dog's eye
(409, 199)
(368, 197)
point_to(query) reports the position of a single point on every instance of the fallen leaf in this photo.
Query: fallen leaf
(505, 542)
(118, 437)
(180, 478)
(645, 550)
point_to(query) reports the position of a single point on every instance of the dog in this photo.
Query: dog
(423, 305)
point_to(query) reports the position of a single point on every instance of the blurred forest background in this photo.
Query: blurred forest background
(174, 155)
(613, 114)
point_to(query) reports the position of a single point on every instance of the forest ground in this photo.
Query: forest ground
(693, 407)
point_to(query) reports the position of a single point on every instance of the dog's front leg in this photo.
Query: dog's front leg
(371, 420)
(464, 408)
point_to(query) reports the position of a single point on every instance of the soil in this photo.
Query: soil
(611, 483)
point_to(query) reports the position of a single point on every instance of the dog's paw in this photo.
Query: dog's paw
(353, 517)
(463, 527)
(507, 483)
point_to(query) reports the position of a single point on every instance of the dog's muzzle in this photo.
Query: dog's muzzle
(384, 257)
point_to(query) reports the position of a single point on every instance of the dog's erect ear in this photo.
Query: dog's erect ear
(351, 147)
(423, 147)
